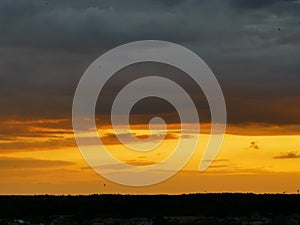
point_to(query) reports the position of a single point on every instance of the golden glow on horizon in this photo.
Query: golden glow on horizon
(41, 157)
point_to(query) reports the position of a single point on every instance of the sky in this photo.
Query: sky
(253, 48)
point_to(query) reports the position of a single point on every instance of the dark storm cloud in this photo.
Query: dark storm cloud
(82, 25)
(254, 4)
(44, 49)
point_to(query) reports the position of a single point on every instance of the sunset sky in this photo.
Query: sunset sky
(253, 48)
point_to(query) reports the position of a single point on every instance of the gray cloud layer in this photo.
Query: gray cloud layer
(44, 49)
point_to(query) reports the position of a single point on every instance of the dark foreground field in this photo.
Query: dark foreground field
(149, 205)
(194, 206)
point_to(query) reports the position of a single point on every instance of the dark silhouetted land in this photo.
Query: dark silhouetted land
(149, 205)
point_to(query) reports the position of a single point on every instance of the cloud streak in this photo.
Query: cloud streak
(287, 155)
(7, 163)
